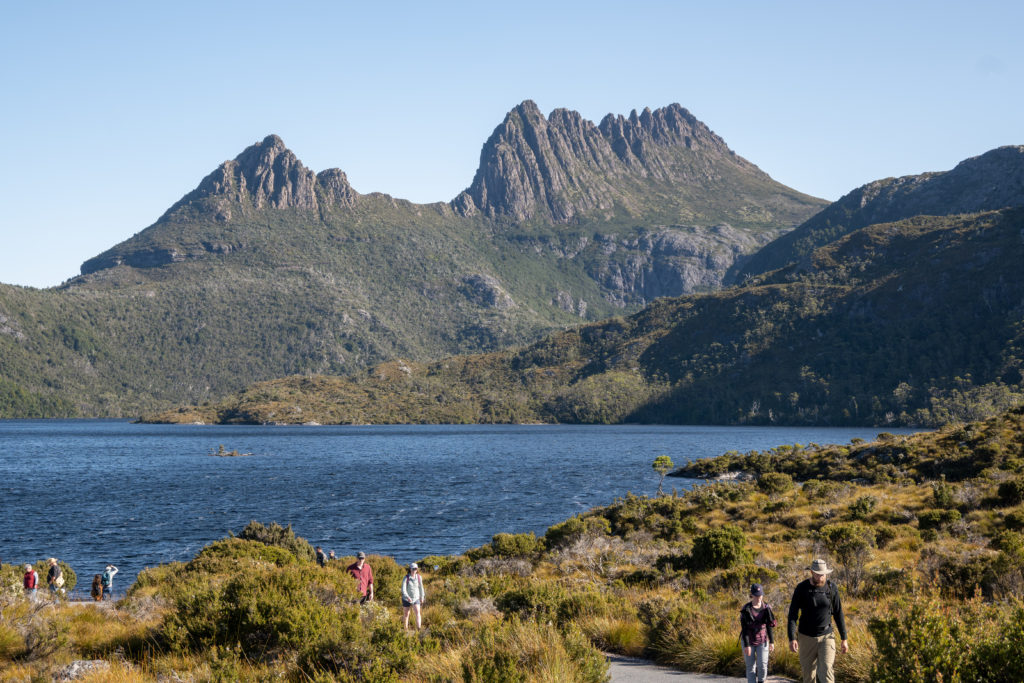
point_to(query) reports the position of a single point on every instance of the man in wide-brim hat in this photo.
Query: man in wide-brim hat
(814, 605)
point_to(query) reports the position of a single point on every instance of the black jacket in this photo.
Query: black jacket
(750, 625)
(815, 608)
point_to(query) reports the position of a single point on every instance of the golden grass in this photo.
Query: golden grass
(626, 636)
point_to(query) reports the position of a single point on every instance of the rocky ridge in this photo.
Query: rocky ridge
(988, 182)
(563, 168)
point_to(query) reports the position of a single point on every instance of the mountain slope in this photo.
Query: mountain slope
(268, 269)
(913, 322)
(988, 182)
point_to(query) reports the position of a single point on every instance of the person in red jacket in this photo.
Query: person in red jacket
(364, 574)
(31, 581)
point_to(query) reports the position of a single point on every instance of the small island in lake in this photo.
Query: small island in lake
(222, 453)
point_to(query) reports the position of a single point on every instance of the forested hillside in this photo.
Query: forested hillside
(914, 322)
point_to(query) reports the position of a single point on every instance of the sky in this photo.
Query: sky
(112, 111)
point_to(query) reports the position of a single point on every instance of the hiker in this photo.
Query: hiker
(757, 635)
(815, 604)
(364, 574)
(55, 577)
(331, 557)
(108, 581)
(30, 582)
(413, 595)
(321, 559)
(97, 587)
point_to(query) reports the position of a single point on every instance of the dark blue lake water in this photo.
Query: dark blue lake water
(98, 491)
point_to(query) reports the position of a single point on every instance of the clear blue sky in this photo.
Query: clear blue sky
(111, 111)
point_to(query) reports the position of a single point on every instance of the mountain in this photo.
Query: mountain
(912, 322)
(267, 268)
(989, 182)
(663, 165)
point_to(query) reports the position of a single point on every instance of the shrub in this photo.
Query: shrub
(775, 483)
(970, 642)
(942, 494)
(443, 564)
(1015, 520)
(282, 537)
(720, 548)
(571, 529)
(962, 576)
(937, 519)
(847, 540)
(822, 491)
(862, 507)
(516, 545)
(535, 600)
(1011, 492)
(225, 553)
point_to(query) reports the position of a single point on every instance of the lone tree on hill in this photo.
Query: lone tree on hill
(662, 465)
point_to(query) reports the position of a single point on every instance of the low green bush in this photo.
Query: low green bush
(1011, 492)
(937, 519)
(516, 545)
(862, 507)
(564, 533)
(282, 537)
(775, 483)
(974, 641)
(719, 548)
(822, 490)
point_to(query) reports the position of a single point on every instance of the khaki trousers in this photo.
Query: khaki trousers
(817, 656)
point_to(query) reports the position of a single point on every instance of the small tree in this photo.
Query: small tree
(662, 465)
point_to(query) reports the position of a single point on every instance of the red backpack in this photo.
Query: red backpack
(31, 579)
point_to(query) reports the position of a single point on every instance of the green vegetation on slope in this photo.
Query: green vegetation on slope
(916, 322)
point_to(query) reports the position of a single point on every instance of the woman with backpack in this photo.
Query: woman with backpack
(757, 635)
(412, 594)
(107, 578)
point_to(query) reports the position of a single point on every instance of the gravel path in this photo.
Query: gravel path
(629, 670)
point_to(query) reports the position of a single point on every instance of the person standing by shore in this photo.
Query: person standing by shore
(108, 581)
(321, 558)
(413, 594)
(364, 574)
(757, 635)
(30, 581)
(55, 577)
(814, 605)
(96, 591)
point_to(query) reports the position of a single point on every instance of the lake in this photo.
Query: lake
(96, 491)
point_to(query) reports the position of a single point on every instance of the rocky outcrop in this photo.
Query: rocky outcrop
(268, 175)
(565, 168)
(485, 291)
(635, 269)
(154, 257)
(991, 181)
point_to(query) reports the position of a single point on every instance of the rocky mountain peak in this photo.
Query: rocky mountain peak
(268, 175)
(564, 167)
